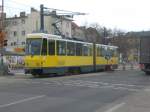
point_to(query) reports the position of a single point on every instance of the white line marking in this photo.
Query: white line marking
(35, 82)
(127, 85)
(104, 83)
(124, 88)
(115, 107)
(147, 90)
(107, 87)
(47, 83)
(21, 101)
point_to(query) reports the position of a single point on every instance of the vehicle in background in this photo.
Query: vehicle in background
(145, 54)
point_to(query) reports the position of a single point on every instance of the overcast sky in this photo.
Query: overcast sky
(128, 15)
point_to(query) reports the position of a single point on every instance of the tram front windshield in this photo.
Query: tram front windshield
(33, 46)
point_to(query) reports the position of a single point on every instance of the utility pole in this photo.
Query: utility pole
(42, 18)
(59, 16)
(3, 42)
(105, 36)
(2, 36)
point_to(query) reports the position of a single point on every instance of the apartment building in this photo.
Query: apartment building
(18, 26)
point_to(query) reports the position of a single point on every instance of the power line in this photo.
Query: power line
(66, 11)
(52, 9)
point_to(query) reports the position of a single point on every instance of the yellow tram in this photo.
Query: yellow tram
(51, 54)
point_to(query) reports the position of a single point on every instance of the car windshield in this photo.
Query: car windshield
(33, 46)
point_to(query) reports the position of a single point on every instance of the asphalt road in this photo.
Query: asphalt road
(94, 92)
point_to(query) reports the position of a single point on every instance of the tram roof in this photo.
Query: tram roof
(57, 37)
(54, 37)
(107, 46)
(42, 35)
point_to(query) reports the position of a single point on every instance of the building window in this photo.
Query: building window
(23, 21)
(14, 22)
(7, 23)
(14, 43)
(67, 24)
(67, 34)
(15, 33)
(23, 33)
(6, 32)
(23, 43)
(11, 44)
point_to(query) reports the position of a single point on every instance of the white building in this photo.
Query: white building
(17, 27)
(78, 32)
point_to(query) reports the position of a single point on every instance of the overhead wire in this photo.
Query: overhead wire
(60, 11)
(53, 9)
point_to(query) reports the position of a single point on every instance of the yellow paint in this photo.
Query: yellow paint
(113, 60)
(33, 61)
(57, 61)
(62, 61)
(101, 61)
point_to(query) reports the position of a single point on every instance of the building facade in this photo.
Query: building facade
(18, 27)
(78, 32)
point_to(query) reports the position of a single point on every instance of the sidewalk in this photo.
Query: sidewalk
(128, 67)
(19, 71)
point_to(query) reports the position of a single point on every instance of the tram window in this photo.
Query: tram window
(98, 51)
(61, 47)
(51, 48)
(44, 47)
(103, 51)
(115, 53)
(70, 48)
(110, 52)
(90, 50)
(85, 50)
(78, 49)
(33, 46)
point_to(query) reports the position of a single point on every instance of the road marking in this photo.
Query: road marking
(47, 83)
(124, 85)
(104, 83)
(21, 101)
(93, 84)
(147, 90)
(128, 89)
(107, 87)
(115, 107)
(35, 82)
